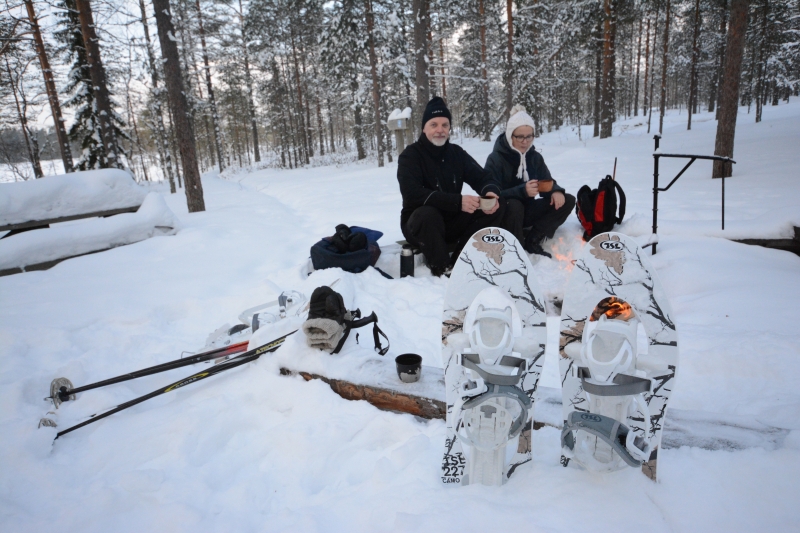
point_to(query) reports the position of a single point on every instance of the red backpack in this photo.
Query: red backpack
(597, 208)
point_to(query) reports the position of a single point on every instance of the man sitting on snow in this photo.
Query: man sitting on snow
(431, 173)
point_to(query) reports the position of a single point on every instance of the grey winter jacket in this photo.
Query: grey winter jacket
(502, 165)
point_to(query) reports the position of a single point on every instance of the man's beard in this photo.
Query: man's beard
(439, 141)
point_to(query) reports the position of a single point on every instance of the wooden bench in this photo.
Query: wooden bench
(28, 210)
(20, 227)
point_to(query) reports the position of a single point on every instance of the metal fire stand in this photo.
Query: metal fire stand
(656, 189)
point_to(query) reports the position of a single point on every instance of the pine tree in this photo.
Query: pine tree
(85, 129)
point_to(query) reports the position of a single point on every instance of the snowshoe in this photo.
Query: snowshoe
(618, 359)
(493, 341)
(288, 304)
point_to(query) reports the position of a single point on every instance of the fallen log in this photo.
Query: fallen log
(426, 399)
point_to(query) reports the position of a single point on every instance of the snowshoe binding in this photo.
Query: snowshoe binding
(492, 409)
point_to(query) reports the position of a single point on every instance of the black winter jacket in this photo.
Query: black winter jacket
(433, 175)
(502, 165)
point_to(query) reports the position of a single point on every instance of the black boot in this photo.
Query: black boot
(533, 245)
(440, 271)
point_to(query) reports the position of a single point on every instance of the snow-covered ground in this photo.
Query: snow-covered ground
(250, 450)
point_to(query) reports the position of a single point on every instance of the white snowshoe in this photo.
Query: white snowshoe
(288, 305)
(618, 358)
(492, 409)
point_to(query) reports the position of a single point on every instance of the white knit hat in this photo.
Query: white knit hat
(519, 117)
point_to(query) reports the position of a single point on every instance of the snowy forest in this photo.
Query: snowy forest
(159, 86)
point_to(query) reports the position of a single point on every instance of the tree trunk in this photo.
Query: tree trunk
(50, 87)
(638, 62)
(33, 152)
(714, 95)
(332, 144)
(209, 87)
(100, 89)
(608, 89)
(248, 78)
(729, 101)
(691, 108)
(761, 86)
(376, 89)
(320, 125)
(161, 134)
(359, 135)
(180, 109)
(301, 120)
(441, 60)
(646, 68)
(309, 129)
(421, 16)
(598, 69)
(664, 62)
(652, 69)
(509, 59)
(486, 125)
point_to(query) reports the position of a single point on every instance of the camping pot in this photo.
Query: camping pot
(409, 367)
(406, 261)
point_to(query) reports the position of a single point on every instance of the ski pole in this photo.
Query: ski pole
(64, 393)
(241, 359)
(614, 176)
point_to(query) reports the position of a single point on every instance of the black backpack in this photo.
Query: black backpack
(327, 304)
(597, 208)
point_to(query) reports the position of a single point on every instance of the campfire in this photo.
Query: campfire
(614, 308)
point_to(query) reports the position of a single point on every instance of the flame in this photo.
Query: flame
(613, 308)
(566, 257)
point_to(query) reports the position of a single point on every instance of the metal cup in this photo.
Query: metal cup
(487, 203)
(409, 367)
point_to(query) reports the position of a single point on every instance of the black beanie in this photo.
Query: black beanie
(436, 108)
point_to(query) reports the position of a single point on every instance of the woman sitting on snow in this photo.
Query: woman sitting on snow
(522, 175)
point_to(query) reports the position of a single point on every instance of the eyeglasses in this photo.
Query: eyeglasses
(527, 138)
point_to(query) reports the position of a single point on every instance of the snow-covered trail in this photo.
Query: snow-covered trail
(253, 451)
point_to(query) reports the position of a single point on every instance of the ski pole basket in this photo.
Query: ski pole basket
(656, 189)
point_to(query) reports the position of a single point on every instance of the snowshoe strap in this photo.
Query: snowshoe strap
(612, 432)
(503, 391)
(624, 385)
(472, 360)
(355, 322)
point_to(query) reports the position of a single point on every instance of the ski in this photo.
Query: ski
(239, 360)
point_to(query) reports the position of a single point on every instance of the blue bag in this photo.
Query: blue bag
(325, 254)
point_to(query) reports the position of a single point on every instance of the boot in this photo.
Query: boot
(533, 244)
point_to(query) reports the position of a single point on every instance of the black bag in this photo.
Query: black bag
(329, 323)
(352, 249)
(597, 208)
